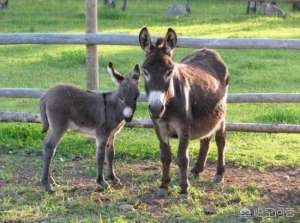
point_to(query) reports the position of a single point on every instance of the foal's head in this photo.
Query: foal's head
(128, 91)
(158, 69)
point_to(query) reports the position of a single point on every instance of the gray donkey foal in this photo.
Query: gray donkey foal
(101, 115)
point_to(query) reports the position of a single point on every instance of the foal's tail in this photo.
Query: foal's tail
(44, 118)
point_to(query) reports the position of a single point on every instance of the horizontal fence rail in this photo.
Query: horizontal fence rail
(21, 92)
(132, 40)
(147, 123)
(232, 98)
(279, 1)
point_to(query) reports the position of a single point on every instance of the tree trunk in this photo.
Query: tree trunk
(112, 3)
(187, 7)
(124, 6)
(296, 6)
(3, 4)
(251, 7)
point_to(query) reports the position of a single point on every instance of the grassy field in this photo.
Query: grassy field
(259, 156)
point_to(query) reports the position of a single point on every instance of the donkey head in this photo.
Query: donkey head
(158, 69)
(128, 91)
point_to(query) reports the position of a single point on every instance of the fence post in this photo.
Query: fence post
(91, 49)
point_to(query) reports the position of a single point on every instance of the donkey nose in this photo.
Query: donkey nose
(156, 110)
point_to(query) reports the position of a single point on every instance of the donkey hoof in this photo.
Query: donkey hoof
(161, 193)
(183, 196)
(103, 185)
(53, 183)
(219, 179)
(116, 181)
(48, 188)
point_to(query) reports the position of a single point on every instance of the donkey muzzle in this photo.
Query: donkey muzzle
(156, 104)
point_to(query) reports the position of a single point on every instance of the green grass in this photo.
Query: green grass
(41, 66)
(76, 201)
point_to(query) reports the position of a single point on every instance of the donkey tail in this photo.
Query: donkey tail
(44, 118)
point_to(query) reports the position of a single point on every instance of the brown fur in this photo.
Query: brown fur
(194, 102)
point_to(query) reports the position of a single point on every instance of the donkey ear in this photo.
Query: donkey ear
(145, 39)
(170, 40)
(115, 75)
(136, 74)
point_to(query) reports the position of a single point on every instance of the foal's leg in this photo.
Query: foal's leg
(50, 144)
(101, 141)
(110, 159)
(220, 140)
(183, 160)
(202, 156)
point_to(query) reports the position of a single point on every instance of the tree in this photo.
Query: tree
(124, 6)
(3, 4)
(296, 5)
(187, 7)
(251, 7)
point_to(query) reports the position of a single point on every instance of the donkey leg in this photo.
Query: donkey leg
(220, 141)
(110, 159)
(49, 150)
(202, 156)
(183, 161)
(165, 157)
(101, 142)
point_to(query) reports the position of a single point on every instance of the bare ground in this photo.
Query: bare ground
(278, 186)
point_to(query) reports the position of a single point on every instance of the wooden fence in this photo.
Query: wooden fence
(232, 98)
(92, 38)
(132, 40)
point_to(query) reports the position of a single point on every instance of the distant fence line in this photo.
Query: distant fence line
(232, 98)
(132, 40)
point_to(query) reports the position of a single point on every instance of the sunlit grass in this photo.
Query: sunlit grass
(41, 66)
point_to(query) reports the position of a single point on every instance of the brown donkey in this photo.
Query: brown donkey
(100, 115)
(187, 100)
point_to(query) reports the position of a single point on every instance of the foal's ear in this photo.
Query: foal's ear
(145, 39)
(115, 75)
(170, 40)
(136, 74)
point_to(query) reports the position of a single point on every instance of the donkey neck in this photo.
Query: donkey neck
(113, 107)
(178, 93)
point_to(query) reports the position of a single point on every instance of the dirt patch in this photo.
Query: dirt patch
(280, 185)
(277, 186)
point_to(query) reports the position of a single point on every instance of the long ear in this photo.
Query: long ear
(136, 74)
(145, 39)
(170, 40)
(115, 75)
